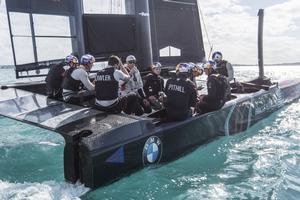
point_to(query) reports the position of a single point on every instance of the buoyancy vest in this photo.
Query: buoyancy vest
(153, 84)
(221, 85)
(70, 83)
(181, 95)
(55, 76)
(106, 86)
(221, 68)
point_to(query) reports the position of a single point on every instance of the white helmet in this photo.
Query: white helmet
(87, 59)
(217, 56)
(71, 59)
(183, 68)
(156, 65)
(210, 65)
(130, 58)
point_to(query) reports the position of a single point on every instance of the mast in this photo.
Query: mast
(78, 24)
(260, 43)
(144, 32)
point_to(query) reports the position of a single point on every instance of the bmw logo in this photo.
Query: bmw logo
(152, 150)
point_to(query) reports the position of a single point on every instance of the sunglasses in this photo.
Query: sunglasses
(157, 68)
(131, 62)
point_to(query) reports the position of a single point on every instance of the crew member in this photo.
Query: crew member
(181, 95)
(153, 86)
(77, 78)
(135, 84)
(223, 66)
(218, 90)
(56, 74)
(107, 83)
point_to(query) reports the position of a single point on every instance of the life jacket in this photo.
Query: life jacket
(55, 76)
(181, 95)
(222, 87)
(70, 83)
(153, 84)
(106, 86)
(221, 68)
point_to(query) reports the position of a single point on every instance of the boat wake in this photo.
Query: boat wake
(49, 190)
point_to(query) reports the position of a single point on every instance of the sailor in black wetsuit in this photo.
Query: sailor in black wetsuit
(218, 90)
(153, 86)
(181, 95)
(107, 88)
(223, 66)
(56, 75)
(77, 78)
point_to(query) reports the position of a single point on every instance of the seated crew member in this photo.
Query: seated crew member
(223, 66)
(217, 89)
(153, 86)
(181, 95)
(76, 78)
(135, 84)
(107, 88)
(56, 74)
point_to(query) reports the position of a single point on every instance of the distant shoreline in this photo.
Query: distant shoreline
(281, 64)
(7, 67)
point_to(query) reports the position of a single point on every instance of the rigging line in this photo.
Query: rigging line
(205, 29)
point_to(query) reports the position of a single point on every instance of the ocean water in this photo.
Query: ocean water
(260, 163)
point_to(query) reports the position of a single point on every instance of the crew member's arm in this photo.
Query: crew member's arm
(162, 83)
(229, 71)
(139, 83)
(121, 76)
(146, 86)
(84, 78)
(211, 90)
(123, 68)
(165, 90)
(193, 98)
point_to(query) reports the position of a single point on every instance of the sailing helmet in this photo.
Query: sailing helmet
(183, 68)
(210, 65)
(71, 59)
(198, 67)
(217, 56)
(192, 65)
(87, 59)
(131, 59)
(156, 65)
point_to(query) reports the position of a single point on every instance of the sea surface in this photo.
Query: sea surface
(260, 163)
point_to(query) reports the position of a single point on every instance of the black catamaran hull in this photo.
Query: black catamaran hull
(167, 141)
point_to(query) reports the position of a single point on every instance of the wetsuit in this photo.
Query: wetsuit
(218, 90)
(181, 96)
(54, 80)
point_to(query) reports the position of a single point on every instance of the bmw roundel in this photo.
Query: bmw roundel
(152, 150)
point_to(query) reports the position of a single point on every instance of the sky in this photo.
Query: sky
(231, 25)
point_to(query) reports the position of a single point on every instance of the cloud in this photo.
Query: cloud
(228, 28)
(233, 30)
(282, 31)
